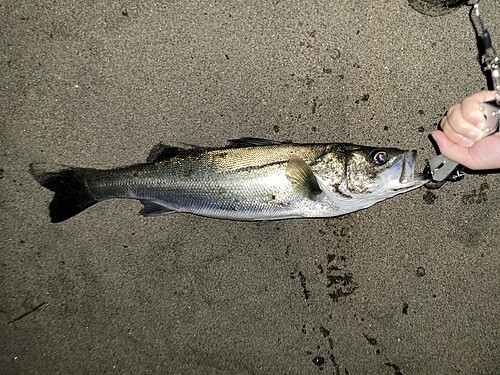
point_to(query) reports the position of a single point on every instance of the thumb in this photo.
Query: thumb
(451, 150)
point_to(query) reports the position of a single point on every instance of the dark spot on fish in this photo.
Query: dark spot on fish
(371, 340)
(276, 128)
(420, 271)
(324, 331)
(221, 191)
(327, 70)
(357, 32)
(188, 172)
(377, 352)
(421, 112)
(226, 56)
(405, 308)
(314, 128)
(421, 129)
(124, 13)
(318, 361)
(476, 196)
(336, 188)
(341, 77)
(434, 296)
(303, 280)
(314, 105)
(397, 370)
(429, 197)
(386, 128)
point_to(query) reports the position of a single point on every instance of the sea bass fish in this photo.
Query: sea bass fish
(250, 179)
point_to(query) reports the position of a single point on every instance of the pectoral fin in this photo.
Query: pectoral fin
(302, 178)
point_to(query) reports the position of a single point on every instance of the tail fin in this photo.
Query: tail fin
(71, 193)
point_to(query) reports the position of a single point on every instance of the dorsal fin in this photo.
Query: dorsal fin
(302, 178)
(162, 152)
(248, 142)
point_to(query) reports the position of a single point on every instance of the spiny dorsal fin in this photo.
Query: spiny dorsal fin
(162, 152)
(302, 178)
(249, 142)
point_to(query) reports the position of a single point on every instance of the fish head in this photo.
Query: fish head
(373, 174)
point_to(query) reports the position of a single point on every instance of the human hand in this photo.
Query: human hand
(462, 138)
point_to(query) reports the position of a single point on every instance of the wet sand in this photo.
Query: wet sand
(409, 286)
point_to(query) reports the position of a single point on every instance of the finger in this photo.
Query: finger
(458, 130)
(466, 119)
(484, 155)
(470, 108)
(452, 150)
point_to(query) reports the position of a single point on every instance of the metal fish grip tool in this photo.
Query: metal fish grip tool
(440, 168)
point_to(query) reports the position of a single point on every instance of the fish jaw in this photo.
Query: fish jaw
(400, 176)
(408, 175)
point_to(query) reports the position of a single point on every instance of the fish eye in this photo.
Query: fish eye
(379, 157)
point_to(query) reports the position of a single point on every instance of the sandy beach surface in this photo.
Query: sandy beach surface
(409, 286)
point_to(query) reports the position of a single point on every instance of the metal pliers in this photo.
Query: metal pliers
(441, 169)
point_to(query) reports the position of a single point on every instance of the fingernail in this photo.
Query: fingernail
(466, 142)
(479, 120)
(473, 136)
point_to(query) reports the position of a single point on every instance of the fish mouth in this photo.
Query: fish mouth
(408, 175)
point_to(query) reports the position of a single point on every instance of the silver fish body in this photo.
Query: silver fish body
(249, 180)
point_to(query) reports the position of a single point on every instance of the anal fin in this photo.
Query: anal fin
(152, 209)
